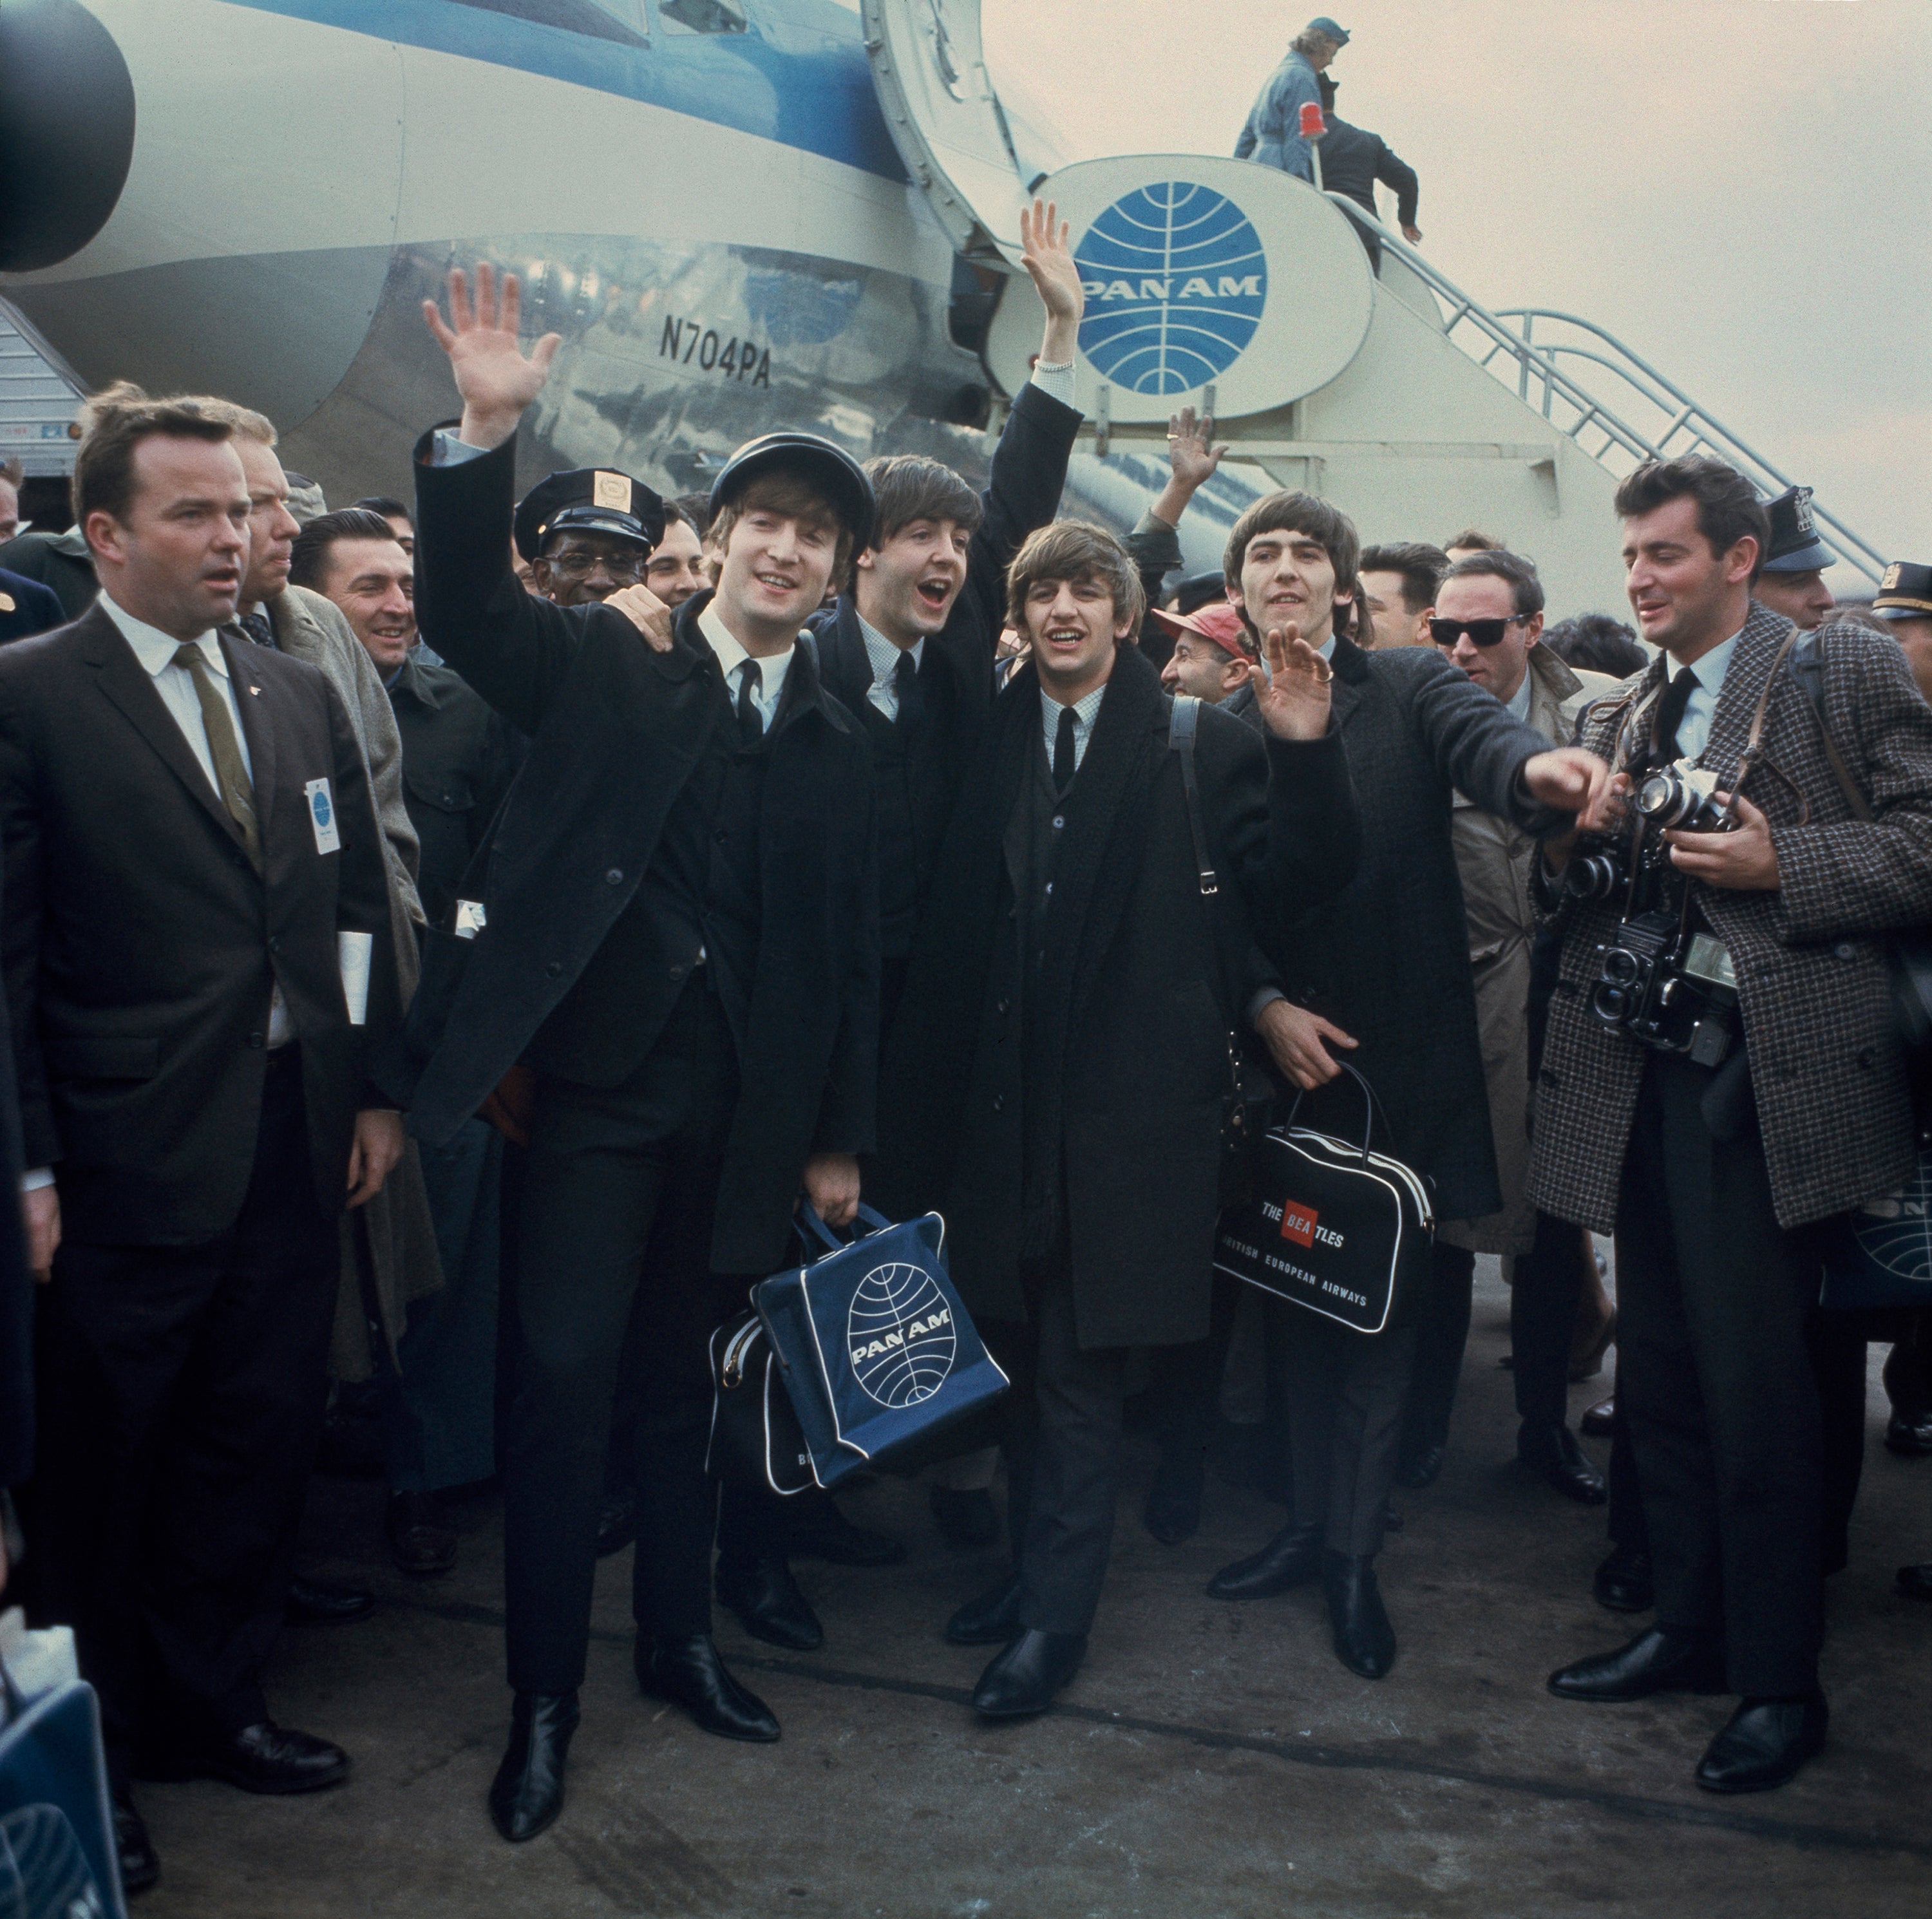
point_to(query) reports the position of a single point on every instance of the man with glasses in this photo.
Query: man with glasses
(1487, 620)
(583, 536)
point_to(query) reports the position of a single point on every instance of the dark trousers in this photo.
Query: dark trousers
(1717, 1383)
(1548, 1289)
(181, 1390)
(1441, 1335)
(1061, 1432)
(439, 1428)
(1184, 1388)
(1346, 1394)
(619, 1191)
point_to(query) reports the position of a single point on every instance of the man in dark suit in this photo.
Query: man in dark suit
(1382, 970)
(1789, 1104)
(1354, 161)
(27, 607)
(680, 942)
(1067, 1026)
(196, 951)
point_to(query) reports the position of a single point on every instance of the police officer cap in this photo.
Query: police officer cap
(1905, 592)
(1795, 546)
(832, 469)
(592, 499)
(1321, 23)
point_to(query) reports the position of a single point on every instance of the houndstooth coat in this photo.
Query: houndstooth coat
(1812, 980)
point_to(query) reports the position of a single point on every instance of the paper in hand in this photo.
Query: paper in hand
(353, 951)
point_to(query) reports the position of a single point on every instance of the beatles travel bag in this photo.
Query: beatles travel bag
(755, 1437)
(873, 1346)
(1333, 1226)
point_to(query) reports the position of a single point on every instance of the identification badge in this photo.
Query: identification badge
(322, 817)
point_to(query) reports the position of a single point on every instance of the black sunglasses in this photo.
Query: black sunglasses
(1483, 632)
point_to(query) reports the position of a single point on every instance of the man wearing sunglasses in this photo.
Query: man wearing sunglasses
(1487, 620)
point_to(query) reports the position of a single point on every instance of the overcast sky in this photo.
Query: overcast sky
(1741, 189)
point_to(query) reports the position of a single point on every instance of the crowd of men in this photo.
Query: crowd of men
(444, 943)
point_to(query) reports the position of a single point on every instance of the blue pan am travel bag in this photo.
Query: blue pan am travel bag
(874, 1349)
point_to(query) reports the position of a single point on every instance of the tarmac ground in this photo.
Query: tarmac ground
(1210, 1760)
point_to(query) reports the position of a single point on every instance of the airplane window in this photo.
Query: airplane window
(700, 17)
(596, 19)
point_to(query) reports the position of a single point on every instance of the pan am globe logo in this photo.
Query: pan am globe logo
(899, 1334)
(1175, 280)
(1896, 1231)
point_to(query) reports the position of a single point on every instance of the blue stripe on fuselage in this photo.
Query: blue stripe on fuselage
(820, 101)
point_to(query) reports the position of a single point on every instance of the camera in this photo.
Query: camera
(1594, 871)
(1673, 989)
(1680, 796)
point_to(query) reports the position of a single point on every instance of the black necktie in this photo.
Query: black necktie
(1670, 713)
(751, 721)
(1065, 764)
(906, 691)
(256, 626)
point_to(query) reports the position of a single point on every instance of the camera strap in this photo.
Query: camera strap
(1754, 743)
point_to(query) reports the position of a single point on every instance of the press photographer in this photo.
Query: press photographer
(1722, 1078)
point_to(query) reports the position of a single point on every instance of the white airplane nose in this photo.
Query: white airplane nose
(252, 228)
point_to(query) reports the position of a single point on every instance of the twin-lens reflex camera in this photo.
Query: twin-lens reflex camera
(1661, 978)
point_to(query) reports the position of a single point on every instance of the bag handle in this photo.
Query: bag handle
(1371, 1106)
(1182, 727)
(873, 1222)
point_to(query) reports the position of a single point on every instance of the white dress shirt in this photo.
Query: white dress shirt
(156, 651)
(1083, 711)
(768, 678)
(1694, 730)
(883, 692)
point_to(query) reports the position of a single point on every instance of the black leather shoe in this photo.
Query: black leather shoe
(527, 1793)
(820, 1531)
(1909, 1438)
(1651, 1663)
(1915, 1581)
(268, 1757)
(616, 1525)
(312, 1603)
(964, 1519)
(1600, 1421)
(1022, 1680)
(1292, 1558)
(991, 1619)
(1765, 1743)
(1173, 1509)
(1364, 1639)
(1423, 1467)
(769, 1604)
(419, 1543)
(1553, 1451)
(689, 1673)
(1623, 1583)
(140, 1866)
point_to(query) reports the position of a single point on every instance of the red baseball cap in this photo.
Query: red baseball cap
(1218, 621)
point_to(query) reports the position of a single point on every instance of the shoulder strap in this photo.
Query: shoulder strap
(1182, 726)
(1808, 669)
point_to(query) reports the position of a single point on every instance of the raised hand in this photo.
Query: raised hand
(496, 378)
(1293, 701)
(1049, 261)
(1191, 451)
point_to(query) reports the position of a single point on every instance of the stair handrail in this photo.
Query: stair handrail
(1536, 363)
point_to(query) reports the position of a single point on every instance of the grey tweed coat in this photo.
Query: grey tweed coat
(1812, 977)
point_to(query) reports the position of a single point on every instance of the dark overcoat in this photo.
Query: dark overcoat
(1132, 1005)
(1833, 1102)
(956, 673)
(142, 947)
(616, 729)
(1386, 959)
